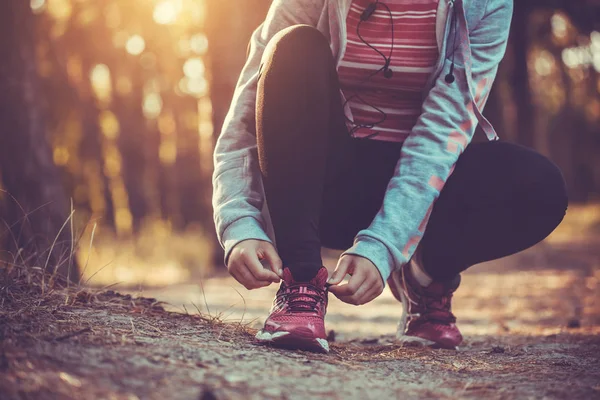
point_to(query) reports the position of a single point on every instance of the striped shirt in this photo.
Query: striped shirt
(392, 105)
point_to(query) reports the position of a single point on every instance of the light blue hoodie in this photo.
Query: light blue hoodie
(451, 112)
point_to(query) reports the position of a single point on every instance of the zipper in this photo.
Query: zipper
(442, 58)
(343, 32)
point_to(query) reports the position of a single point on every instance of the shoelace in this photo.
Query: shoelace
(301, 302)
(437, 308)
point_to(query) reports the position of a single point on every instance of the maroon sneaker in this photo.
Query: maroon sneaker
(297, 319)
(426, 316)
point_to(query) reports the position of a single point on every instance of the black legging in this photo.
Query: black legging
(323, 187)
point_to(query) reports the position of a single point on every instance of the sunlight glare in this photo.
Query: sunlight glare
(60, 9)
(595, 41)
(194, 68)
(544, 63)
(167, 152)
(576, 56)
(135, 45)
(199, 43)
(152, 105)
(109, 124)
(595, 49)
(61, 156)
(559, 25)
(112, 163)
(197, 87)
(38, 6)
(166, 124)
(100, 78)
(123, 220)
(165, 13)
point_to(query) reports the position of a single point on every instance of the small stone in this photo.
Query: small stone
(273, 392)
(70, 379)
(498, 349)
(235, 378)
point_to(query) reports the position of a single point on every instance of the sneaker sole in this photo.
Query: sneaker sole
(398, 293)
(293, 341)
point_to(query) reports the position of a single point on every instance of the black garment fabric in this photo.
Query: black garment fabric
(322, 186)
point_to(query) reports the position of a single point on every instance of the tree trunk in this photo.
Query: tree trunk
(36, 204)
(520, 78)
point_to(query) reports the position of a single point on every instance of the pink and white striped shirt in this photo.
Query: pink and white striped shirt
(414, 56)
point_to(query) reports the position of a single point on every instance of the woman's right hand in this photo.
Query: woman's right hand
(246, 267)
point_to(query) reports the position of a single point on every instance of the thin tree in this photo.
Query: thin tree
(35, 226)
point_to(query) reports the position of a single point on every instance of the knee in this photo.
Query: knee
(544, 186)
(297, 46)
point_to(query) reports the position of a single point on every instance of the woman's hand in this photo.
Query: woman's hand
(364, 285)
(246, 267)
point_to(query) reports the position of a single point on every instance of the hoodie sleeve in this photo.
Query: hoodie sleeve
(445, 128)
(238, 194)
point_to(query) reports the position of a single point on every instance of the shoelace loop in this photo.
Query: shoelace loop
(301, 301)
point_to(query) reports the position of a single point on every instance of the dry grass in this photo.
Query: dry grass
(71, 343)
(60, 340)
(156, 256)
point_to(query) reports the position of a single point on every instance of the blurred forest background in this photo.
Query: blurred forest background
(111, 108)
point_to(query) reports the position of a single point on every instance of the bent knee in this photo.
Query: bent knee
(298, 43)
(544, 186)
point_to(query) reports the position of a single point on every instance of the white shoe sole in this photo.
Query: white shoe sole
(283, 339)
(269, 337)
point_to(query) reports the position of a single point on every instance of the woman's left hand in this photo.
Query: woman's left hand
(365, 284)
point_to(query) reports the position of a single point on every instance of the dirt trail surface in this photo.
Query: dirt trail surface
(532, 326)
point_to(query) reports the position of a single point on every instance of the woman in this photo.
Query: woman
(354, 120)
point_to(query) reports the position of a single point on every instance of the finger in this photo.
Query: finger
(270, 254)
(368, 295)
(341, 270)
(356, 298)
(372, 294)
(361, 293)
(243, 276)
(256, 268)
(349, 289)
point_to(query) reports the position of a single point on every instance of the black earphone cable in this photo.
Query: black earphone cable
(387, 72)
(450, 78)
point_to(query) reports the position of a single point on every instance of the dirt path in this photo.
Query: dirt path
(69, 345)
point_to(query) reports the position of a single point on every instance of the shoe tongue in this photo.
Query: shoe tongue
(436, 289)
(301, 296)
(443, 288)
(288, 278)
(319, 280)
